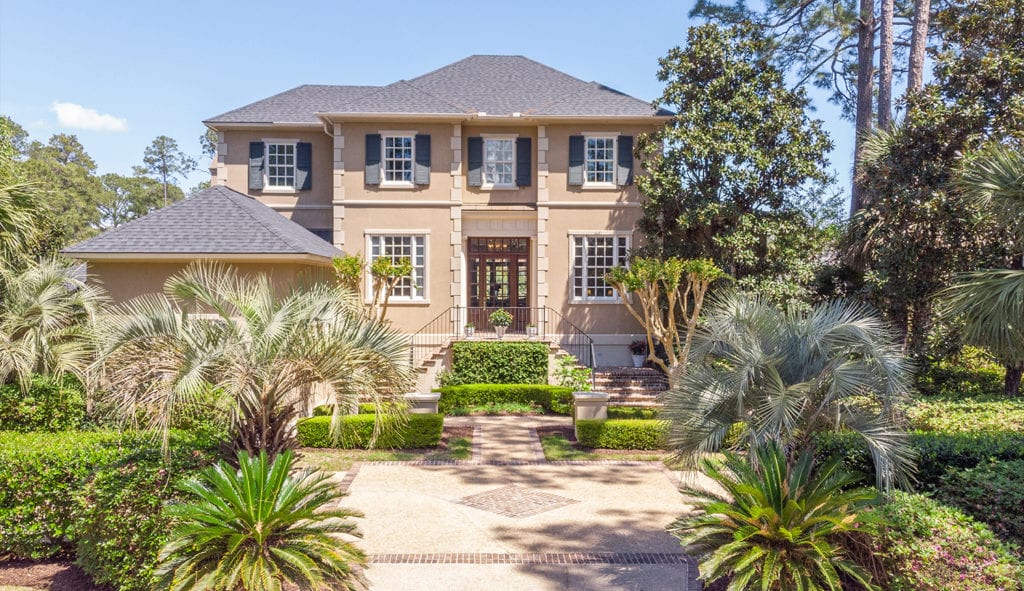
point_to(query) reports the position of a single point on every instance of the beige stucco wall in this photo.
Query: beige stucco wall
(126, 280)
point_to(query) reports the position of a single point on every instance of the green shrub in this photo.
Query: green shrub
(569, 375)
(499, 408)
(632, 412)
(971, 373)
(622, 433)
(937, 451)
(989, 413)
(421, 430)
(928, 546)
(992, 492)
(326, 410)
(551, 398)
(498, 362)
(49, 405)
(121, 523)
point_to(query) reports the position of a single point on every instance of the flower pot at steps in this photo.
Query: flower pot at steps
(500, 330)
(531, 331)
(638, 360)
(469, 332)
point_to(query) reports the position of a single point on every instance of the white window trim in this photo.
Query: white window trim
(604, 135)
(384, 134)
(573, 234)
(266, 166)
(368, 235)
(493, 186)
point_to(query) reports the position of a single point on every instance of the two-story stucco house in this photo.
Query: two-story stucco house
(507, 183)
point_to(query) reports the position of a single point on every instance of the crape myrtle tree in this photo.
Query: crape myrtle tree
(738, 174)
(385, 275)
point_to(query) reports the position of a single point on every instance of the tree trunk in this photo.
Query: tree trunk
(885, 40)
(865, 94)
(1014, 372)
(918, 42)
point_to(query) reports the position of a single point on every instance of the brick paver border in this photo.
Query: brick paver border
(534, 558)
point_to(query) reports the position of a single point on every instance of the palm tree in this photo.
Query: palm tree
(47, 323)
(785, 376)
(772, 529)
(991, 302)
(217, 331)
(19, 231)
(258, 527)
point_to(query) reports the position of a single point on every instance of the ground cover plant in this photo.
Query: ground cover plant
(967, 414)
(499, 408)
(456, 444)
(48, 404)
(993, 493)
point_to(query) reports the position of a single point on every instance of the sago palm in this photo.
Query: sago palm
(785, 375)
(771, 529)
(258, 527)
(991, 302)
(263, 353)
(46, 322)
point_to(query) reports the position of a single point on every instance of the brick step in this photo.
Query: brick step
(624, 384)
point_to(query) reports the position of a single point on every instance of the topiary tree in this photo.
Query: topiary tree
(668, 293)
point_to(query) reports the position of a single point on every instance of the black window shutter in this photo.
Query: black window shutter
(304, 166)
(624, 172)
(255, 166)
(524, 170)
(421, 168)
(372, 159)
(576, 160)
(475, 161)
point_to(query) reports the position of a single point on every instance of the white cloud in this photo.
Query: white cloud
(79, 117)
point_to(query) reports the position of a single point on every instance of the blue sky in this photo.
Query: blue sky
(118, 74)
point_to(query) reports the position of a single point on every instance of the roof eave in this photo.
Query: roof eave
(172, 257)
(218, 125)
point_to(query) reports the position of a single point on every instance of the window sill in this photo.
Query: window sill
(279, 190)
(397, 185)
(595, 301)
(600, 187)
(499, 187)
(394, 302)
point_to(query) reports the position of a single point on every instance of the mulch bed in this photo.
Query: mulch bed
(52, 576)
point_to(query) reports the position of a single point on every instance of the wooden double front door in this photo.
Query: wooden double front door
(499, 278)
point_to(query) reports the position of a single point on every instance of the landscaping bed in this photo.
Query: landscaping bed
(456, 444)
(560, 444)
(16, 575)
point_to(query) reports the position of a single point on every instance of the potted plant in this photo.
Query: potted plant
(470, 329)
(639, 351)
(531, 330)
(501, 320)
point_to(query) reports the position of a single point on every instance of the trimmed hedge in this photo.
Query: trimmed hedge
(991, 492)
(555, 399)
(622, 433)
(498, 362)
(971, 373)
(326, 410)
(632, 412)
(420, 430)
(937, 452)
(49, 405)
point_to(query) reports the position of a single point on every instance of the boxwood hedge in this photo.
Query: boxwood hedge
(421, 430)
(622, 433)
(498, 362)
(551, 398)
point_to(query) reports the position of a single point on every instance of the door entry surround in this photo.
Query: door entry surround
(498, 278)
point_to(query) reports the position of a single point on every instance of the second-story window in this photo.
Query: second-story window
(600, 160)
(398, 159)
(281, 165)
(499, 162)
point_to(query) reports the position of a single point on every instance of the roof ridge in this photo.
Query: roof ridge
(442, 99)
(600, 85)
(249, 213)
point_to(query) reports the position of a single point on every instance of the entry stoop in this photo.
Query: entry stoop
(631, 386)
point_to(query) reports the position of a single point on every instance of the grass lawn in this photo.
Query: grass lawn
(454, 446)
(558, 447)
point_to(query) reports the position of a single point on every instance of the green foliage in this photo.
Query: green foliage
(48, 405)
(121, 521)
(622, 433)
(971, 372)
(357, 431)
(632, 412)
(128, 198)
(927, 545)
(66, 175)
(326, 410)
(569, 375)
(260, 527)
(992, 492)
(349, 270)
(164, 161)
(772, 529)
(555, 399)
(499, 408)
(936, 451)
(500, 318)
(746, 190)
(967, 415)
(498, 362)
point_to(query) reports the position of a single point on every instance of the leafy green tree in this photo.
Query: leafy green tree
(258, 528)
(774, 527)
(166, 162)
(128, 198)
(208, 143)
(13, 145)
(263, 353)
(785, 376)
(65, 174)
(738, 174)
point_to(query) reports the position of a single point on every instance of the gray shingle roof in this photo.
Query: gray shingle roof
(213, 221)
(494, 84)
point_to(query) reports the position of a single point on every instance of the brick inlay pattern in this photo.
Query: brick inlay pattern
(515, 501)
(534, 558)
(350, 475)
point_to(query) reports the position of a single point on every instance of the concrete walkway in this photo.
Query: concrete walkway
(510, 521)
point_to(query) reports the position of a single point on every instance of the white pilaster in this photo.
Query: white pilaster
(338, 185)
(456, 217)
(541, 262)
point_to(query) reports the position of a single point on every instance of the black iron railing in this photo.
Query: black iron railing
(459, 323)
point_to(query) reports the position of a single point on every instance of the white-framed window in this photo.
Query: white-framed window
(397, 247)
(592, 257)
(499, 162)
(599, 160)
(398, 152)
(281, 165)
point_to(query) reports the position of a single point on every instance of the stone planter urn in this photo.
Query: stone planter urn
(470, 329)
(531, 331)
(500, 331)
(638, 360)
